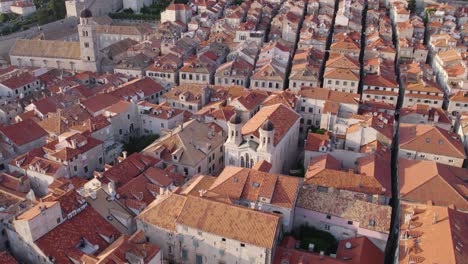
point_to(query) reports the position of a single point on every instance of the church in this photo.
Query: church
(69, 55)
(272, 134)
(83, 55)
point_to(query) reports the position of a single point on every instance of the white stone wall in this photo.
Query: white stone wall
(210, 247)
(195, 78)
(58, 63)
(410, 101)
(411, 154)
(457, 107)
(21, 91)
(137, 73)
(341, 85)
(172, 78)
(267, 85)
(339, 227)
(23, 11)
(295, 85)
(347, 158)
(38, 226)
(153, 125)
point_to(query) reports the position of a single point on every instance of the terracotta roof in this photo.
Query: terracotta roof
(326, 94)
(178, 7)
(35, 211)
(460, 96)
(370, 216)
(99, 102)
(230, 221)
(143, 188)
(424, 180)
(262, 165)
(54, 125)
(7, 258)
(18, 81)
(320, 174)
(341, 74)
(127, 169)
(282, 118)
(362, 251)
(164, 212)
(189, 140)
(16, 132)
(314, 141)
(123, 248)
(67, 152)
(252, 99)
(145, 86)
(286, 251)
(46, 49)
(426, 110)
(223, 113)
(431, 139)
(433, 234)
(380, 81)
(342, 61)
(62, 242)
(249, 184)
(345, 45)
(285, 97)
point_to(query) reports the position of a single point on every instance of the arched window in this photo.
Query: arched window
(251, 163)
(246, 160)
(242, 162)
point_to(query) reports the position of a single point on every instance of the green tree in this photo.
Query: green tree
(3, 17)
(6, 30)
(42, 16)
(412, 5)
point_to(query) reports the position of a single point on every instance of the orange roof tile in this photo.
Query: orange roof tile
(62, 242)
(282, 118)
(431, 139)
(230, 221)
(433, 234)
(16, 132)
(249, 184)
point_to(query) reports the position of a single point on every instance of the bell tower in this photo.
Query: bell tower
(88, 41)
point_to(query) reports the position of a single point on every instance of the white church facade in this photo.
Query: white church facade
(271, 135)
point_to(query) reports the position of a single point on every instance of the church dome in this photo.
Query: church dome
(85, 13)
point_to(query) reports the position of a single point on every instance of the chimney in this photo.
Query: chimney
(73, 144)
(202, 192)
(322, 254)
(124, 154)
(436, 116)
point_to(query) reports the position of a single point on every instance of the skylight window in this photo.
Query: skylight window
(256, 184)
